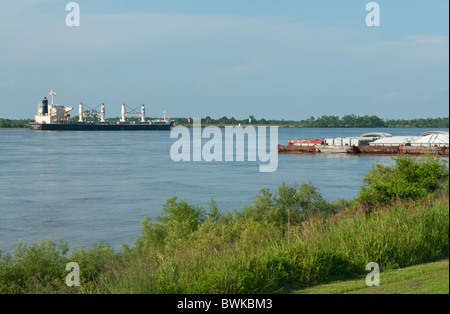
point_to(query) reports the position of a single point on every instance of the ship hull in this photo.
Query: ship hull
(86, 126)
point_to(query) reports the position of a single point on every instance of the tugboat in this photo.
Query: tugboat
(52, 117)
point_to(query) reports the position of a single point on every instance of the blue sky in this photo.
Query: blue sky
(286, 59)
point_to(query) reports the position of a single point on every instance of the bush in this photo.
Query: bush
(41, 264)
(94, 261)
(178, 221)
(291, 205)
(41, 267)
(410, 178)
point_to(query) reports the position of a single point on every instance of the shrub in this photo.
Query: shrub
(178, 221)
(41, 264)
(291, 205)
(94, 261)
(410, 178)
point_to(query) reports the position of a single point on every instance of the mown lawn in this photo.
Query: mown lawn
(432, 278)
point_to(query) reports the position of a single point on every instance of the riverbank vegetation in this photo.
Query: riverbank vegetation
(347, 121)
(285, 240)
(7, 123)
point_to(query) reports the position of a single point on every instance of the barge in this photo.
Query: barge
(52, 117)
(433, 142)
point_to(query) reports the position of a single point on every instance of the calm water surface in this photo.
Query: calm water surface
(91, 187)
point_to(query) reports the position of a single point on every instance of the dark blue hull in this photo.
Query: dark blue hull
(99, 126)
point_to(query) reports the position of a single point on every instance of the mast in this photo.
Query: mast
(80, 116)
(102, 113)
(143, 113)
(52, 93)
(123, 114)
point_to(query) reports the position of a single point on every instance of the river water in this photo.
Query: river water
(97, 187)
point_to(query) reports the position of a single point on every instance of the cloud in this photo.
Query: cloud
(430, 39)
(252, 66)
(392, 96)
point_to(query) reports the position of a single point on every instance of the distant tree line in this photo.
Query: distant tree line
(7, 123)
(347, 121)
(420, 123)
(233, 121)
(353, 121)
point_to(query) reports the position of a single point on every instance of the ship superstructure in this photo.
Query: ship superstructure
(51, 113)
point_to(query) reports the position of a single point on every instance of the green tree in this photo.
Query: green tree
(178, 221)
(409, 178)
(290, 205)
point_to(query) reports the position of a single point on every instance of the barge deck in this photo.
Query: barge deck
(434, 143)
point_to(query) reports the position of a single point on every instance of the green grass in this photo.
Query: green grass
(431, 278)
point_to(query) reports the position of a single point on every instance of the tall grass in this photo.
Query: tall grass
(287, 239)
(262, 260)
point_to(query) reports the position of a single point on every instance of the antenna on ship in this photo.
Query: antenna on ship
(52, 93)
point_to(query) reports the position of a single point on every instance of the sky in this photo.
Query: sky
(285, 59)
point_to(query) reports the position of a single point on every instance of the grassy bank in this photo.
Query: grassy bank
(285, 240)
(260, 258)
(431, 278)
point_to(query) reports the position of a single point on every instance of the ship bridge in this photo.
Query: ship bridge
(51, 113)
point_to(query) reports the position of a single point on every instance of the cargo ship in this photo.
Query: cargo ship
(432, 142)
(52, 117)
